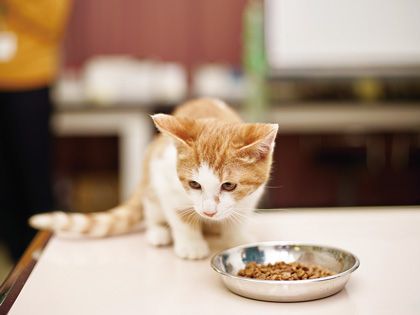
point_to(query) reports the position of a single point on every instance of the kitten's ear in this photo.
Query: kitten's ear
(262, 137)
(179, 129)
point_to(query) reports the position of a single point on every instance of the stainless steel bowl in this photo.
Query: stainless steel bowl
(228, 262)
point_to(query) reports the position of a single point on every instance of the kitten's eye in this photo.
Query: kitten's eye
(194, 185)
(228, 186)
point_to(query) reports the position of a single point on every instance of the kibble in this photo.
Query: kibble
(284, 271)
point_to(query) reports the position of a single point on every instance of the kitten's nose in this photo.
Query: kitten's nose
(209, 213)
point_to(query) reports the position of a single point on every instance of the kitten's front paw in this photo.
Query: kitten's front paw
(188, 249)
(159, 235)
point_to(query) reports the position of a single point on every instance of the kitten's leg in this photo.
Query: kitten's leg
(189, 242)
(158, 233)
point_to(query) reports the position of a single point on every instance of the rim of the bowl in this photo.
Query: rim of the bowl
(285, 243)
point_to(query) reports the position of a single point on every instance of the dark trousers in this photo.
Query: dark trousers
(25, 173)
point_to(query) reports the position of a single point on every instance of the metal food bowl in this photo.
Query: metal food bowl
(228, 262)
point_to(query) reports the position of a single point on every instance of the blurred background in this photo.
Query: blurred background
(341, 78)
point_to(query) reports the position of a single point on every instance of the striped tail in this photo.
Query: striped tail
(119, 220)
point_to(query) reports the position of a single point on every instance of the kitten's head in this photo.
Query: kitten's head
(222, 166)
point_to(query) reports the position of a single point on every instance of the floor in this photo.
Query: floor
(5, 263)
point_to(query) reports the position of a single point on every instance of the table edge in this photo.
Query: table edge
(12, 286)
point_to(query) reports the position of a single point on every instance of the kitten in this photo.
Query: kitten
(206, 166)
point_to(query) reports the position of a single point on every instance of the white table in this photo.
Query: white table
(123, 275)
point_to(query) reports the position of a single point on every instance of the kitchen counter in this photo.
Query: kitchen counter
(134, 128)
(124, 275)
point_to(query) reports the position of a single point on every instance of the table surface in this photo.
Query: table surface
(124, 275)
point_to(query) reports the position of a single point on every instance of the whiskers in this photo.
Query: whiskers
(273, 187)
(247, 211)
(237, 216)
(189, 216)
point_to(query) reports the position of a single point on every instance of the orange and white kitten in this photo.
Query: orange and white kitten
(206, 166)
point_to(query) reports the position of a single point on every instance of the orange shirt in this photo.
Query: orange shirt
(38, 26)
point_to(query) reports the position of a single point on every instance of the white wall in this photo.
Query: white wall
(342, 33)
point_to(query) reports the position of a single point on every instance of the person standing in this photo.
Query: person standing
(30, 36)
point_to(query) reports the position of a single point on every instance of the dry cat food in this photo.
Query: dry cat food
(284, 271)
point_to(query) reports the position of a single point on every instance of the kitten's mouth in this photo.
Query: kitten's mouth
(190, 214)
(209, 213)
(207, 217)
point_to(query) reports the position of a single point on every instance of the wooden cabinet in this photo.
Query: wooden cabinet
(345, 170)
